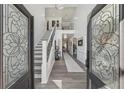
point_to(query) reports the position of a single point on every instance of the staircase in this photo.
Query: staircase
(37, 62)
(43, 58)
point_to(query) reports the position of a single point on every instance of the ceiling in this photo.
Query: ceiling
(50, 11)
(51, 5)
(65, 5)
(67, 13)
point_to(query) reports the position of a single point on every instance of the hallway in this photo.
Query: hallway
(62, 78)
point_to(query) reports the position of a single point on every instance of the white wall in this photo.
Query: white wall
(38, 11)
(80, 26)
(50, 19)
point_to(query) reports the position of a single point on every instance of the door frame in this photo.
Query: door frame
(29, 75)
(121, 12)
(1, 29)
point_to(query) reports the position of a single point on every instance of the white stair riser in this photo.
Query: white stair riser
(37, 67)
(37, 61)
(37, 75)
(37, 56)
(37, 52)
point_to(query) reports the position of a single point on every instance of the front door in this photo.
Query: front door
(16, 50)
(103, 47)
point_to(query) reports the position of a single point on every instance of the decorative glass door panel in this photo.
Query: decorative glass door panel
(105, 45)
(15, 44)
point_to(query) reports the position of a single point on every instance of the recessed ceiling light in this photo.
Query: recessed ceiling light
(60, 8)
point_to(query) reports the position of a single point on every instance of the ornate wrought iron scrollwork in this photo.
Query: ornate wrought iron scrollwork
(105, 45)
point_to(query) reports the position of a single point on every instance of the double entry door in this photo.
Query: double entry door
(16, 47)
(103, 50)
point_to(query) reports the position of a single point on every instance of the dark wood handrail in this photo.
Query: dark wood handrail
(50, 42)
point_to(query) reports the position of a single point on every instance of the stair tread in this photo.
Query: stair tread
(36, 58)
(37, 53)
(38, 46)
(37, 49)
(37, 64)
(37, 80)
(37, 75)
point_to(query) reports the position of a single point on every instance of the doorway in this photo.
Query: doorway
(67, 43)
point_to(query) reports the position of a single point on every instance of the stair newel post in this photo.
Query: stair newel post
(44, 64)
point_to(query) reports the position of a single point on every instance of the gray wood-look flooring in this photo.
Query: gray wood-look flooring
(70, 80)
